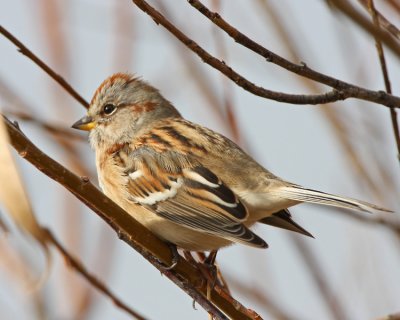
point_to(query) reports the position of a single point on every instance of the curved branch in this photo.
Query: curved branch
(348, 91)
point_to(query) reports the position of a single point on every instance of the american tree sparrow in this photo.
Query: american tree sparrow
(188, 184)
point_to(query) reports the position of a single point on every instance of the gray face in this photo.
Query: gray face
(122, 107)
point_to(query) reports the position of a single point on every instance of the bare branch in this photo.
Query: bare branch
(385, 73)
(347, 9)
(348, 91)
(330, 96)
(383, 21)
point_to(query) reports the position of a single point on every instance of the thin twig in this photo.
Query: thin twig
(347, 9)
(350, 91)
(383, 21)
(28, 53)
(77, 266)
(385, 73)
(185, 275)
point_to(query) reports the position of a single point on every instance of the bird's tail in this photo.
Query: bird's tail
(298, 193)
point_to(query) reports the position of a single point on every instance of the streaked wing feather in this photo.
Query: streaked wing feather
(189, 194)
(182, 210)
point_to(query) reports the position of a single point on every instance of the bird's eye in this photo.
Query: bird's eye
(109, 109)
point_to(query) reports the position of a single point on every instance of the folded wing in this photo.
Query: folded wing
(185, 192)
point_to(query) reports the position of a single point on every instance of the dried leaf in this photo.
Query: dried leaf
(15, 200)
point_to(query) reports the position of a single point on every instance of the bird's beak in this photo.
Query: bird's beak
(86, 123)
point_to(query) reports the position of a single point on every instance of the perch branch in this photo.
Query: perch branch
(185, 275)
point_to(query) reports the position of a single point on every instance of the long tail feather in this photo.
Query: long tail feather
(298, 193)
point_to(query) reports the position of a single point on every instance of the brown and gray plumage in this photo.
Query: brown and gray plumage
(188, 184)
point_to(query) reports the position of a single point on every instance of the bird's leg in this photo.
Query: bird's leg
(210, 260)
(188, 256)
(209, 270)
(175, 257)
(213, 271)
(210, 263)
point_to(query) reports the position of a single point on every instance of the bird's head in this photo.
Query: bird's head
(121, 108)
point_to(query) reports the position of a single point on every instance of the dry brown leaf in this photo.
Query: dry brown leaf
(15, 200)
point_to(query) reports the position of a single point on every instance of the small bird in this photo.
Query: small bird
(189, 185)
